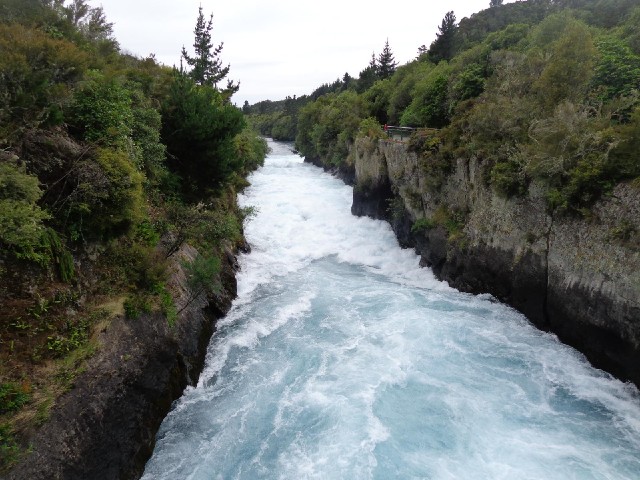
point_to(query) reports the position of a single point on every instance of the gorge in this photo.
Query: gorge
(342, 358)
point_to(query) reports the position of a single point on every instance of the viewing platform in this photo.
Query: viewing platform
(399, 133)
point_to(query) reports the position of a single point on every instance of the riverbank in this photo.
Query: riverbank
(105, 426)
(575, 277)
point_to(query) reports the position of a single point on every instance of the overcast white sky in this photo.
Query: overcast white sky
(284, 47)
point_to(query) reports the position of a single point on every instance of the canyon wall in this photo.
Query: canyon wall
(576, 277)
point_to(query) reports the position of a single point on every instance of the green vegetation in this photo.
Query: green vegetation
(108, 165)
(21, 218)
(452, 221)
(12, 397)
(537, 91)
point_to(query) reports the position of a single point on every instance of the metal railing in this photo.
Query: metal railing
(398, 133)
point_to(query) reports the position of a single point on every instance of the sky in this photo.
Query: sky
(283, 47)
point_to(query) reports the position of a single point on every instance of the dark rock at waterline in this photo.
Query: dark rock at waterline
(344, 172)
(568, 275)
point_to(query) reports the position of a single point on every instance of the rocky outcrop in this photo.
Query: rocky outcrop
(104, 428)
(577, 277)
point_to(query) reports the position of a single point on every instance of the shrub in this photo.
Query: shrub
(101, 111)
(429, 105)
(251, 149)
(202, 276)
(60, 255)
(369, 127)
(508, 178)
(149, 153)
(12, 397)
(617, 71)
(422, 225)
(37, 72)
(74, 335)
(108, 198)
(9, 449)
(21, 219)
(328, 126)
(135, 306)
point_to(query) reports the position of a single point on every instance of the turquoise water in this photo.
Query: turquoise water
(342, 359)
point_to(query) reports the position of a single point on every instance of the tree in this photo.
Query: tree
(76, 11)
(443, 46)
(92, 22)
(368, 76)
(198, 128)
(568, 73)
(206, 66)
(347, 80)
(618, 69)
(495, 3)
(386, 63)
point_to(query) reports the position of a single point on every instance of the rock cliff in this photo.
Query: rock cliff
(105, 426)
(576, 277)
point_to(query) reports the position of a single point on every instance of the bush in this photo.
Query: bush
(21, 219)
(9, 449)
(328, 126)
(73, 336)
(617, 71)
(135, 306)
(12, 397)
(202, 275)
(37, 72)
(429, 106)
(101, 111)
(60, 255)
(369, 127)
(251, 149)
(422, 225)
(508, 178)
(108, 199)
(149, 153)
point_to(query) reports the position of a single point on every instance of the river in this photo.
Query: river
(342, 359)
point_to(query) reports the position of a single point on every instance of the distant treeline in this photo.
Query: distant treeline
(539, 89)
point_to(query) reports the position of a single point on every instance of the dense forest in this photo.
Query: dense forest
(544, 90)
(109, 163)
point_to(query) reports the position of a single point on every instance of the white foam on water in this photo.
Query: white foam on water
(342, 359)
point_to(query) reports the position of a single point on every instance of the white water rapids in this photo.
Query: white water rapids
(342, 359)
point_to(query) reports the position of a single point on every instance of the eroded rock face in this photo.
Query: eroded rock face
(104, 428)
(579, 278)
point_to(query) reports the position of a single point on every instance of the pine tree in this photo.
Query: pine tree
(373, 63)
(347, 80)
(443, 46)
(368, 76)
(206, 66)
(386, 63)
(495, 3)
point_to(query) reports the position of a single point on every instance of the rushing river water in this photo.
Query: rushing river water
(342, 359)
